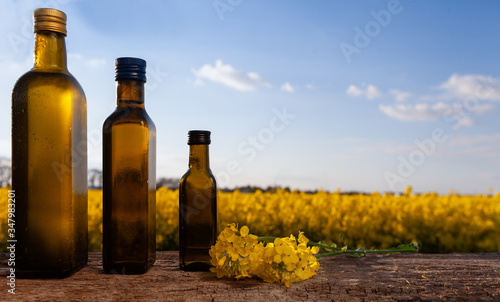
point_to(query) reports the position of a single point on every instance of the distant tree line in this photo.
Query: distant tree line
(170, 183)
(95, 181)
(94, 178)
(5, 172)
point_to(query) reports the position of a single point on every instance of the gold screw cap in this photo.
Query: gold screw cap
(49, 19)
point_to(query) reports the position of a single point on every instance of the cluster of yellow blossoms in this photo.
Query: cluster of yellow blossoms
(238, 254)
(285, 261)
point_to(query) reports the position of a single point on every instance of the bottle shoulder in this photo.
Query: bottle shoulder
(191, 182)
(127, 116)
(35, 79)
(151, 124)
(197, 175)
(185, 176)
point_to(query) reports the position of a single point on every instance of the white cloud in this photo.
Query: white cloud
(227, 75)
(425, 111)
(96, 63)
(467, 122)
(472, 86)
(400, 96)
(482, 146)
(354, 90)
(467, 87)
(287, 87)
(418, 112)
(463, 88)
(74, 55)
(371, 92)
(468, 93)
(310, 86)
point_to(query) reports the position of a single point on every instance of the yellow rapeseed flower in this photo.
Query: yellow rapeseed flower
(442, 223)
(284, 261)
(236, 253)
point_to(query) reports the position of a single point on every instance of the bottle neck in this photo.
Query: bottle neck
(50, 51)
(198, 157)
(130, 93)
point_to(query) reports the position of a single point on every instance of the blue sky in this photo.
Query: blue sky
(356, 95)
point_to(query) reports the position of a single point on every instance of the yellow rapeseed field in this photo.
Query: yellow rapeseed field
(451, 223)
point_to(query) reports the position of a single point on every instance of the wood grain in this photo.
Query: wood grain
(409, 277)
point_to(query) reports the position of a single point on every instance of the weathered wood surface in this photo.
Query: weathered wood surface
(409, 277)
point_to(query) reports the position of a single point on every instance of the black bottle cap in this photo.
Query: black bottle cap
(130, 69)
(199, 137)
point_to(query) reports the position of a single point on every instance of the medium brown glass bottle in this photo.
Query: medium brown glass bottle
(197, 206)
(49, 158)
(129, 176)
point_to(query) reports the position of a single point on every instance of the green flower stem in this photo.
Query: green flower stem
(326, 247)
(334, 250)
(362, 252)
(310, 243)
(319, 256)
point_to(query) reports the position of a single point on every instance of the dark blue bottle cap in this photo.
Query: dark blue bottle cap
(130, 69)
(199, 137)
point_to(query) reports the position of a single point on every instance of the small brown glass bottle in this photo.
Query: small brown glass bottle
(49, 158)
(129, 176)
(197, 206)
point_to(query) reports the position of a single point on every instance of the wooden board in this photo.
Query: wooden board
(409, 277)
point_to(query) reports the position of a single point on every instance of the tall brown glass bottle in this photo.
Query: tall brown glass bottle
(197, 206)
(49, 158)
(129, 176)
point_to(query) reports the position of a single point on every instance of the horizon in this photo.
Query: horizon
(270, 187)
(356, 96)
